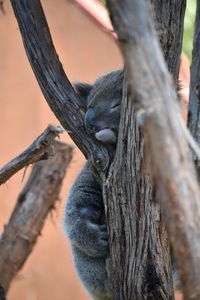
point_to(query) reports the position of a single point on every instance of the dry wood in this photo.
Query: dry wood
(35, 152)
(139, 246)
(34, 203)
(140, 266)
(165, 138)
(169, 18)
(65, 104)
(194, 104)
(52, 79)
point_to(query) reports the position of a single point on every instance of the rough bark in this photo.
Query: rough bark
(140, 274)
(169, 18)
(140, 265)
(65, 104)
(34, 203)
(194, 104)
(57, 89)
(36, 151)
(165, 135)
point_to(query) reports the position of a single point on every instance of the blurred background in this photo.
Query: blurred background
(86, 51)
(189, 28)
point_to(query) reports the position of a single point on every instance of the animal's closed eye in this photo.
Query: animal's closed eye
(115, 106)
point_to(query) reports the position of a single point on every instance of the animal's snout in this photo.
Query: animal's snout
(90, 121)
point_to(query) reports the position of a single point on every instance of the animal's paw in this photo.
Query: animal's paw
(100, 240)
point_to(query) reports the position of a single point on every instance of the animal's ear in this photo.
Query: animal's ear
(83, 89)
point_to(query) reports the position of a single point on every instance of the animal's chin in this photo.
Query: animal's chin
(106, 136)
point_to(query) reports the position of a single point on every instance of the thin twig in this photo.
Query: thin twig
(35, 152)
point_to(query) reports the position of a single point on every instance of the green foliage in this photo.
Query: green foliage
(103, 2)
(189, 27)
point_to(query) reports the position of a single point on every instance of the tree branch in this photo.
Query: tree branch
(35, 152)
(194, 104)
(165, 137)
(57, 89)
(65, 105)
(34, 203)
(169, 19)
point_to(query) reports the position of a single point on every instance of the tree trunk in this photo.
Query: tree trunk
(194, 104)
(139, 247)
(165, 138)
(127, 244)
(140, 267)
(169, 19)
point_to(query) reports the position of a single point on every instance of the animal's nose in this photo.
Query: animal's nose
(90, 122)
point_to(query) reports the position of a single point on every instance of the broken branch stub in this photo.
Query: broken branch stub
(33, 205)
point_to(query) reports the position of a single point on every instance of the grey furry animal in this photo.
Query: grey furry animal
(84, 219)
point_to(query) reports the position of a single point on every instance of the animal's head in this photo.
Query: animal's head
(102, 101)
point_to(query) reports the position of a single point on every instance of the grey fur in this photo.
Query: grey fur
(86, 230)
(103, 107)
(84, 220)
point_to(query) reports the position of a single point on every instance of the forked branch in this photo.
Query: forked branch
(56, 87)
